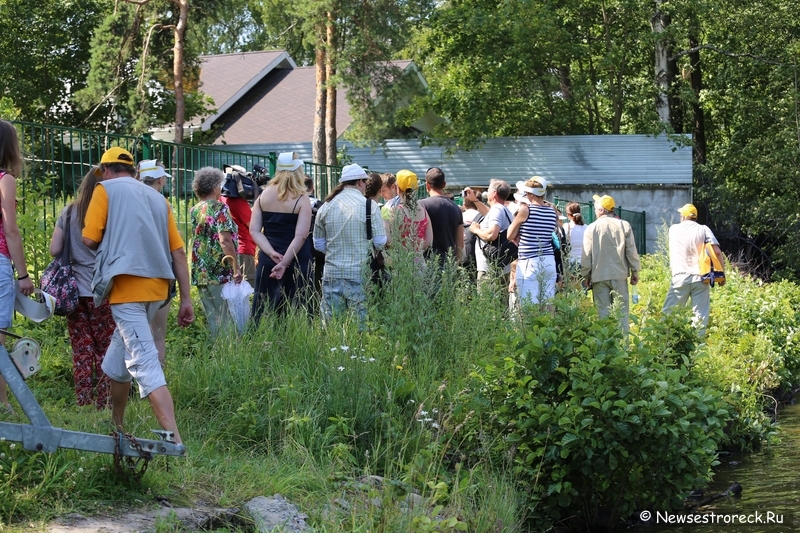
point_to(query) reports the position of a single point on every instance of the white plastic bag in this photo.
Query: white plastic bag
(238, 297)
(38, 308)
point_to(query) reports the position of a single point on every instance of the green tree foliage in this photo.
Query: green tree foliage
(227, 27)
(44, 55)
(129, 84)
(537, 68)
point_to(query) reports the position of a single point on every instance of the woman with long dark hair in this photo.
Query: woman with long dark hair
(12, 256)
(575, 229)
(90, 326)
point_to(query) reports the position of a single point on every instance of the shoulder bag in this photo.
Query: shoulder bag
(377, 263)
(501, 251)
(58, 279)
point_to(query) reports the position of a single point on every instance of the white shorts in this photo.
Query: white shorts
(536, 279)
(132, 352)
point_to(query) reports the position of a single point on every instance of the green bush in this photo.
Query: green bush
(593, 426)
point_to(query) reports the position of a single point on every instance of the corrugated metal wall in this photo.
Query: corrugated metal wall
(567, 160)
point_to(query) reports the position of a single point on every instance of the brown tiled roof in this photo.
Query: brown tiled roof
(279, 109)
(221, 76)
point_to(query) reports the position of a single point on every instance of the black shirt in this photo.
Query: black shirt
(446, 220)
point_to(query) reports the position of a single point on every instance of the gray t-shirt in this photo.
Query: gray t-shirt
(82, 258)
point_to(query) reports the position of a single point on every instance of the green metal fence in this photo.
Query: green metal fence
(57, 158)
(635, 218)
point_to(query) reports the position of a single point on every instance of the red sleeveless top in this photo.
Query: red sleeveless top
(3, 243)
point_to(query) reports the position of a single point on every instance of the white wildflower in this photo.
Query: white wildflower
(435, 425)
(427, 419)
(353, 356)
(334, 349)
(423, 413)
(371, 359)
(12, 446)
(80, 470)
(434, 411)
(411, 401)
(340, 369)
(344, 348)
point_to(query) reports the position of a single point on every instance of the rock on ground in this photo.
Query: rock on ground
(142, 521)
(276, 514)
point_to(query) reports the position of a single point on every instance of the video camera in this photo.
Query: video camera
(242, 184)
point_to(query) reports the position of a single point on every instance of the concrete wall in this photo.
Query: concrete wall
(660, 203)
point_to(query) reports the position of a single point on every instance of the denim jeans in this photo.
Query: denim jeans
(339, 295)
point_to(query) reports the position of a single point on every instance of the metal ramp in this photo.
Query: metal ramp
(130, 454)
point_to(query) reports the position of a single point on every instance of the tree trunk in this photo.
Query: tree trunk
(318, 141)
(697, 108)
(177, 68)
(330, 111)
(675, 102)
(659, 23)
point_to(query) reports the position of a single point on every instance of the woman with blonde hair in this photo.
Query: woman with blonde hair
(90, 326)
(534, 224)
(12, 256)
(279, 226)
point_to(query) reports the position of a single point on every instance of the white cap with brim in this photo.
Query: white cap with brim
(352, 172)
(520, 198)
(286, 161)
(149, 169)
(536, 191)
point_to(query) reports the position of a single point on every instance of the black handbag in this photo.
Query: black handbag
(377, 264)
(58, 279)
(500, 251)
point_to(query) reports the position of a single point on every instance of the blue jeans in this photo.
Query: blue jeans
(8, 292)
(338, 295)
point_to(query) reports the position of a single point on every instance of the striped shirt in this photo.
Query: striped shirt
(536, 233)
(342, 222)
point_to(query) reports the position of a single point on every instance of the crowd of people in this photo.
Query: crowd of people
(129, 259)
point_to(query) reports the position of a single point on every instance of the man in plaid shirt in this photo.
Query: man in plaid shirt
(340, 232)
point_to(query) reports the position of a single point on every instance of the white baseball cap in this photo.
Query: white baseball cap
(150, 169)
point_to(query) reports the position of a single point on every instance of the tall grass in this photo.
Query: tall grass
(349, 423)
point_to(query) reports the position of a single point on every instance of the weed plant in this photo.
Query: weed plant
(444, 414)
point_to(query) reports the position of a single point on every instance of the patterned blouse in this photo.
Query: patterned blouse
(210, 218)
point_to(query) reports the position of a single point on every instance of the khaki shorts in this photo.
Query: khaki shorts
(132, 352)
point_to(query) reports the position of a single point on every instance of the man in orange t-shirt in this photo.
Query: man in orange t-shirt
(141, 251)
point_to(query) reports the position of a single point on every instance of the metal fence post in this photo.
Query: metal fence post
(147, 145)
(273, 160)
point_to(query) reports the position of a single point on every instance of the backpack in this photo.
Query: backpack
(711, 270)
(501, 251)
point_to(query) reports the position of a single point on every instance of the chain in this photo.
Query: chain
(126, 465)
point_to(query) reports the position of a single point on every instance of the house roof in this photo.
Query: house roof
(264, 97)
(228, 77)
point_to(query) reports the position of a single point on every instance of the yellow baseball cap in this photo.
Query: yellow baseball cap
(407, 180)
(117, 154)
(688, 211)
(605, 201)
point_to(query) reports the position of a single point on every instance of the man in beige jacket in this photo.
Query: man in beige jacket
(609, 255)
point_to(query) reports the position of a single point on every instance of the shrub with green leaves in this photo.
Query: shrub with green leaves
(592, 425)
